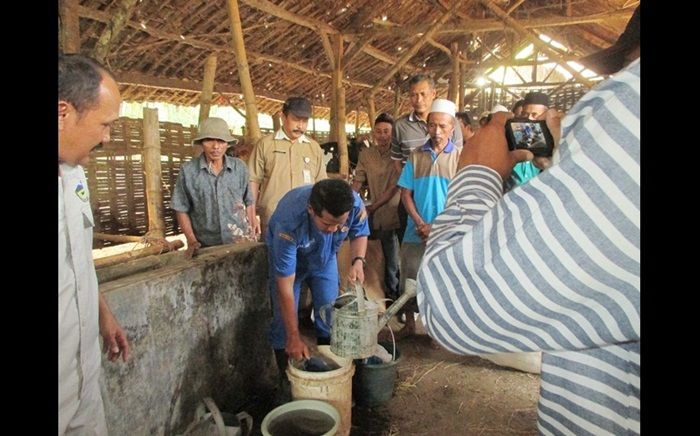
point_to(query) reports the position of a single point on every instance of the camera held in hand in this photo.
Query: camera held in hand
(533, 135)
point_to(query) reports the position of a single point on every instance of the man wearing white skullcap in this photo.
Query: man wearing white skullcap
(423, 184)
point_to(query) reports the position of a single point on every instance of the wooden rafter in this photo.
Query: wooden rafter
(104, 17)
(315, 25)
(529, 34)
(414, 49)
(113, 28)
(70, 26)
(466, 27)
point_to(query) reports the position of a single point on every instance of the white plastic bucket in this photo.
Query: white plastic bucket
(334, 387)
(302, 417)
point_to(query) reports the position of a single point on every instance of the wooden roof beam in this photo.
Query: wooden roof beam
(530, 35)
(417, 46)
(279, 12)
(317, 26)
(113, 28)
(70, 26)
(104, 17)
(137, 79)
(494, 25)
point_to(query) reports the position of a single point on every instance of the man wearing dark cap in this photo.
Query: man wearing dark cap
(212, 200)
(518, 108)
(285, 159)
(535, 104)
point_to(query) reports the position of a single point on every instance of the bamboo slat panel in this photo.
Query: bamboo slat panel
(116, 179)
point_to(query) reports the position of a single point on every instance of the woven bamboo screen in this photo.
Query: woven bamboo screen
(116, 179)
(562, 99)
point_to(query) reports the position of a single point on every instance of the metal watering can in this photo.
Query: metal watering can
(356, 321)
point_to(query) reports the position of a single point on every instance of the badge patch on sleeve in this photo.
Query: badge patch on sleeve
(285, 236)
(81, 192)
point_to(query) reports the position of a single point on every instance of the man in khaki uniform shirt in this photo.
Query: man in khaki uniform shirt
(376, 167)
(285, 159)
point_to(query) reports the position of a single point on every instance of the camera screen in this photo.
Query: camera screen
(528, 134)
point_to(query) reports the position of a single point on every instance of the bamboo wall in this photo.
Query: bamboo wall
(562, 99)
(116, 179)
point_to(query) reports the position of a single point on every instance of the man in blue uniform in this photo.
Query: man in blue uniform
(303, 236)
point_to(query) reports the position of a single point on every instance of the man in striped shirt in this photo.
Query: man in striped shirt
(553, 265)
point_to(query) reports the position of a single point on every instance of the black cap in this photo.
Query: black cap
(612, 59)
(299, 106)
(536, 98)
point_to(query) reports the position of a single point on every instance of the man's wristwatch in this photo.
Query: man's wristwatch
(364, 262)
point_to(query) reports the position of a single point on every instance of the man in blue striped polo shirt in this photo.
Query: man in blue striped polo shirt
(424, 181)
(553, 265)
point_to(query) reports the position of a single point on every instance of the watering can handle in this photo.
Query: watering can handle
(245, 418)
(359, 292)
(216, 414)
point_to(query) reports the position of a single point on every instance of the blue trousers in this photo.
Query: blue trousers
(323, 284)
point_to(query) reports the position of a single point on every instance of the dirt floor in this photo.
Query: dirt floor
(440, 393)
(444, 394)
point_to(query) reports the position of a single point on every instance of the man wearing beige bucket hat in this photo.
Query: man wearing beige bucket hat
(212, 200)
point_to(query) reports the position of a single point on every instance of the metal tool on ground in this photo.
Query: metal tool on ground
(356, 322)
(217, 423)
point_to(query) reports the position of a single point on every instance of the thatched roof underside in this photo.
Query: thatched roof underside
(159, 54)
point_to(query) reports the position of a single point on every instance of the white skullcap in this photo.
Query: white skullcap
(444, 106)
(499, 108)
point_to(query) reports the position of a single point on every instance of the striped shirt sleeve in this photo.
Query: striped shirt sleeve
(554, 264)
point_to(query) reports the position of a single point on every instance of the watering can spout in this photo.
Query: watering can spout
(409, 292)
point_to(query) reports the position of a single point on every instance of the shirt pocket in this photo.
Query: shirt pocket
(88, 220)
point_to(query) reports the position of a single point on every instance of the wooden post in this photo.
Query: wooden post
(207, 88)
(371, 110)
(453, 89)
(104, 262)
(396, 112)
(357, 122)
(152, 172)
(313, 120)
(113, 28)
(340, 104)
(276, 124)
(251, 108)
(462, 81)
(333, 115)
(70, 26)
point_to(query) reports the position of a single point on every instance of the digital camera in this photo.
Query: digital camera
(531, 135)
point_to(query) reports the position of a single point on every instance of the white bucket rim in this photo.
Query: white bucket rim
(319, 405)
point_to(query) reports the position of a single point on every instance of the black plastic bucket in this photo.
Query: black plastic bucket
(373, 384)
